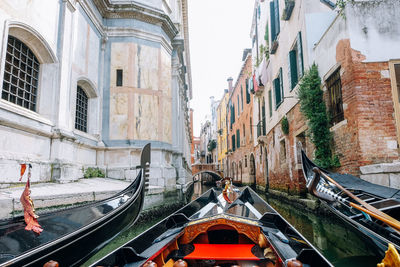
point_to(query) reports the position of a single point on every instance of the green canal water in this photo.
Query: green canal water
(338, 242)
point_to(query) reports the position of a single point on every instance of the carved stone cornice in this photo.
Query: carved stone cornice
(129, 10)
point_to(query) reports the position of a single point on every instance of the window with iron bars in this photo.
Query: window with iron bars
(21, 75)
(334, 86)
(81, 110)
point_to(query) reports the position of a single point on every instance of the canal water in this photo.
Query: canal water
(338, 242)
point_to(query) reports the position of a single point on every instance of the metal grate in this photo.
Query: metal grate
(21, 75)
(335, 97)
(81, 110)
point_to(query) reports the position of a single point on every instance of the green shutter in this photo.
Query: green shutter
(232, 115)
(270, 102)
(272, 18)
(293, 79)
(241, 95)
(300, 56)
(233, 143)
(281, 83)
(247, 91)
(237, 138)
(277, 26)
(277, 92)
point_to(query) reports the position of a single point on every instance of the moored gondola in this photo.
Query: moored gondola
(372, 209)
(230, 227)
(70, 236)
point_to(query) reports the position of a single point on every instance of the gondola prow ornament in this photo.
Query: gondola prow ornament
(29, 209)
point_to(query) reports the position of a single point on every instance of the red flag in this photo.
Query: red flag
(23, 168)
(29, 209)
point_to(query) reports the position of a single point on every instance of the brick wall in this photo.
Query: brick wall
(369, 136)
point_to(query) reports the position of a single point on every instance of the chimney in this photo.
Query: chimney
(230, 84)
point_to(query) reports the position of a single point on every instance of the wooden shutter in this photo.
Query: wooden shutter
(237, 138)
(272, 18)
(277, 26)
(293, 79)
(300, 56)
(247, 91)
(281, 83)
(270, 102)
(277, 92)
(241, 96)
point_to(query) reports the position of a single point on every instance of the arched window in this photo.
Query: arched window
(21, 75)
(81, 112)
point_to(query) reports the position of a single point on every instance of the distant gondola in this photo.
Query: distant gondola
(211, 231)
(382, 198)
(71, 236)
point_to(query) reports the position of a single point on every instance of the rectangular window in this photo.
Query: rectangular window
(119, 77)
(247, 91)
(334, 87)
(81, 111)
(251, 127)
(237, 138)
(278, 89)
(295, 60)
(274, 16)
(270, 102)
(241, 95)
(282, 151)
(233, 143)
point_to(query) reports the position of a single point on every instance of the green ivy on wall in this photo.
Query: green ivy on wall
(285, 125)
(313, 108)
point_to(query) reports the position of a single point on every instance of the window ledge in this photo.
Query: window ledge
(86, 135)
(11, 107)
(338, 125)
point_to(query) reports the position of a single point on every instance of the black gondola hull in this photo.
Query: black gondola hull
(376, 234)
(72, 249)
(247, 208)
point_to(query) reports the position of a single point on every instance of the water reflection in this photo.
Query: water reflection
(337, 241)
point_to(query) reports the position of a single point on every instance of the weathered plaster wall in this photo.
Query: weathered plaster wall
(141, 108)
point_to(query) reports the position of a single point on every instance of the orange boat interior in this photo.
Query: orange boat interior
(218, 242)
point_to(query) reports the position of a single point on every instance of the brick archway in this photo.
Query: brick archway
(211, 169)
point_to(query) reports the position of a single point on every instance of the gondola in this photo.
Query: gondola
(230, 227)
(331, 189)
(71, 236)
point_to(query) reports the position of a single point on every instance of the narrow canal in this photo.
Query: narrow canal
(338, 242)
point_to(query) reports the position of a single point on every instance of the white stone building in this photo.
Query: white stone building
(86, 83)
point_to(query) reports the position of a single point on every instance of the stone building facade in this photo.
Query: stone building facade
(356, 60)
(222, 125)
(107, 77)
(241, 159)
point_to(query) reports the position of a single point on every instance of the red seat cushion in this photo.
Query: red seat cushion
(222, 252)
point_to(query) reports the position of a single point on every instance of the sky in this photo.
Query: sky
(219, 31)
